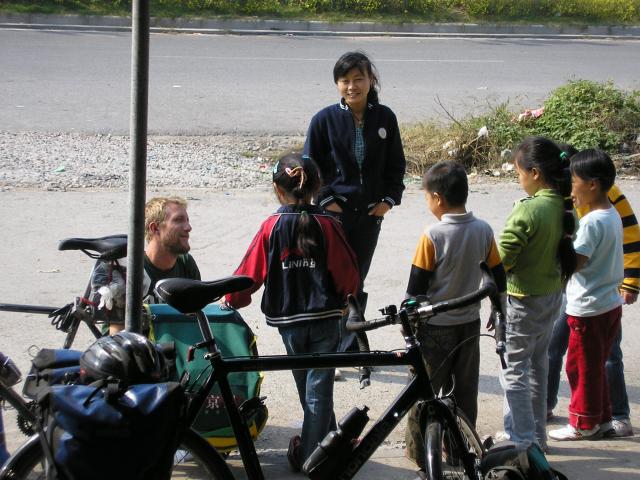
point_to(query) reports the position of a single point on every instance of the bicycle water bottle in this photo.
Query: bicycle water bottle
(337, 445)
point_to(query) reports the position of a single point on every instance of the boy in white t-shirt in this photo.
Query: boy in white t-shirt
(593, 300)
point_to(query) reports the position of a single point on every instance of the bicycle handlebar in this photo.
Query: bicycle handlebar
(356, 322)
(426, 311)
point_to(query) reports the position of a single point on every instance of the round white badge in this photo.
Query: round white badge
(382, 132)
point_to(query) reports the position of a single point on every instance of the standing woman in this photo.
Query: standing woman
(356, 144)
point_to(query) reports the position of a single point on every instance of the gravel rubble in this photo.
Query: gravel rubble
(60, 162)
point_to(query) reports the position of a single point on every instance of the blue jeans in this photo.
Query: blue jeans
(315, 386)
(529, 324)
(615, 370)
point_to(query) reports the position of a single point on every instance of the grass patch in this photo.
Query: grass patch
(581, 112)
(394, 11)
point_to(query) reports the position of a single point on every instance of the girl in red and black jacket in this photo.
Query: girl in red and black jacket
(303, 259)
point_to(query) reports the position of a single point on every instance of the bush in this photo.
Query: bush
(611, 10)
(615, 11)
(581, 112)
(590, 114)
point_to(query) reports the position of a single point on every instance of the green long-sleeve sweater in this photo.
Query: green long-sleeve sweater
(529, 242)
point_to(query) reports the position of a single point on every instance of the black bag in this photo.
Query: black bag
(114, 433)
(51, 367)
(507, 461)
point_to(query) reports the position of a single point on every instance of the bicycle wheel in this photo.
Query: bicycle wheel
(197, 459)
(446, 458)
(26, 463)
(194, 459)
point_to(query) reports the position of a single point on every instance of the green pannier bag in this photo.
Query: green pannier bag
(234, 339)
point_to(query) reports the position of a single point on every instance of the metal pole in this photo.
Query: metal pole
(138, 161)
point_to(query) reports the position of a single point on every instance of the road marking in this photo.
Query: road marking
(289, 59)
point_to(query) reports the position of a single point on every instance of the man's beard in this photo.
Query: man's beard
(174, 246)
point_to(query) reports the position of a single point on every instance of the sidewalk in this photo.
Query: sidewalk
(224, 222)
(304, 27)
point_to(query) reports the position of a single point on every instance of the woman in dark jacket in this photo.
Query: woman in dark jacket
(356, 144)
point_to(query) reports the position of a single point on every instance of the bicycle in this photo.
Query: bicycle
(68, 318)
(108, 249)
(342, 454)
(30, 461)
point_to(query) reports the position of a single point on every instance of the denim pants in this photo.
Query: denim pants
(362, 232)
(614, 366)
(315, 386)
(437, 343)
(529, 324)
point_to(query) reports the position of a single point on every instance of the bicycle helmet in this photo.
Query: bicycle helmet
(125, 356)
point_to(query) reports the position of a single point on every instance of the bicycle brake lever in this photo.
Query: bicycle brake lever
(501, 349)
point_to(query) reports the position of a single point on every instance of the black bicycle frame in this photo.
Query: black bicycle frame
(418, 388)
(13, 307)
(16, 401)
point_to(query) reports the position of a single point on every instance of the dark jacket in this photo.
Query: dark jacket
(298, 288)
(330, 142)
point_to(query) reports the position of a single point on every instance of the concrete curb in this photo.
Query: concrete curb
(302, 27)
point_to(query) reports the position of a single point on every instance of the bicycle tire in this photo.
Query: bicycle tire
(443, 454)
(195, 459)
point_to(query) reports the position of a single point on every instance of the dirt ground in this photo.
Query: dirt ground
(34, 272)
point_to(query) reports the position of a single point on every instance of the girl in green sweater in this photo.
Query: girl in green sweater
(537, 253)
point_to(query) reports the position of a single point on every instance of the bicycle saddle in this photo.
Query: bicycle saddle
(108, 248)
(191, 296)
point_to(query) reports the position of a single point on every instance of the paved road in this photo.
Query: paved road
(202, 84)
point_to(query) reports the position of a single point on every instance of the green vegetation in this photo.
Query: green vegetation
(581, 112)
(548, 11)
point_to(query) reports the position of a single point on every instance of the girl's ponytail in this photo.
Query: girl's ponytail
(299, 177)
(566, 253)
(308, 237)
(553, 162)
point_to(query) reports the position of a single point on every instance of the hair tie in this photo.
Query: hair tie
(297, 172)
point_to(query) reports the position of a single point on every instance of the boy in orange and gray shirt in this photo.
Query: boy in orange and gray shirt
(445, 266)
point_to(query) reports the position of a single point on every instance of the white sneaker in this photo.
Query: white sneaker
(620, 428)
(501, 436)
(338, 375)
(182, 456)
(570, 433)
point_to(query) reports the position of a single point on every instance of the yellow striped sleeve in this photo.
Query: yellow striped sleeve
(630, 240)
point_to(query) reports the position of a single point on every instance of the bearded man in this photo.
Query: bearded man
(167, 231)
